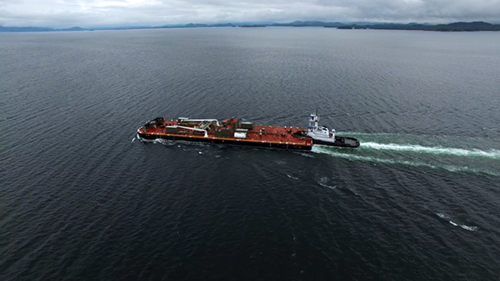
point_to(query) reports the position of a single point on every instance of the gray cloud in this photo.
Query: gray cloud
(92, 13)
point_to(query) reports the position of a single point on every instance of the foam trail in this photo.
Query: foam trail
(441, 215)
(451, 168)
(492, 154)
(328, 186)
(466, 227)
(161, 141)
(323, 182)
(470, 228)
(305, 154)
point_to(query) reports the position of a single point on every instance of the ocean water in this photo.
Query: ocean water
(83, 199)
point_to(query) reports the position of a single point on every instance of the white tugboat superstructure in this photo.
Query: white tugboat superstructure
(319, 133)
(322, 135)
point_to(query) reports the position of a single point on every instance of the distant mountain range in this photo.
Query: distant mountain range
(457, 26)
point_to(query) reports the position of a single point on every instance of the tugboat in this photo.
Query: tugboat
(235, 131)
(324, 136)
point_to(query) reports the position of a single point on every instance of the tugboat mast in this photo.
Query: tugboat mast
(313, 122)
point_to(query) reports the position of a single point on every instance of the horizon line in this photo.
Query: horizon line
(215, 24)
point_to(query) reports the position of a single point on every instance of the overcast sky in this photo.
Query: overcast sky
(95, 13)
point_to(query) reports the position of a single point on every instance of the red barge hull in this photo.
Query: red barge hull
(230, 131)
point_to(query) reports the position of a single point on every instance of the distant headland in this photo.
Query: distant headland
(456, 26)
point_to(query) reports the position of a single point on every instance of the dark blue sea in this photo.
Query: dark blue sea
(81, 198)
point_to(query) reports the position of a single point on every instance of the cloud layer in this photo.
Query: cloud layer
(95, 13)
